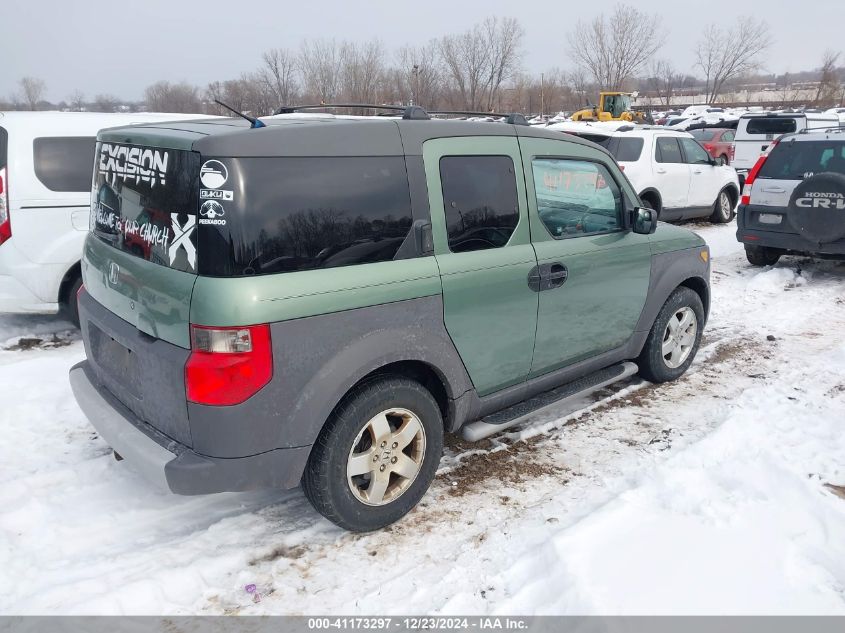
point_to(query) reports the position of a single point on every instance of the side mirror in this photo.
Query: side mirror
(645, 221)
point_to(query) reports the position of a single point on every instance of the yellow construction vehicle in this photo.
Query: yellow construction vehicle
(613, 106)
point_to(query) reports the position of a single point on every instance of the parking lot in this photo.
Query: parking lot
(719, 493)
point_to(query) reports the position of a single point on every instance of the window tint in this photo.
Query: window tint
(291, 214)
(626, 150)
(667, 150)
(800, 160)
(480, 200)
(728, 137)
(144, 203)
(770, 125)
(64, 163)
(575, 197)
(696, 155)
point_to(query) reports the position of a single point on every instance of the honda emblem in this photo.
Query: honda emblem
(114, 273)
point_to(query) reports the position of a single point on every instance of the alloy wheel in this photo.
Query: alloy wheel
(386, 457)
(679, 337)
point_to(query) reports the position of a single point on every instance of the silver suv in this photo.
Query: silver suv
(793, 200)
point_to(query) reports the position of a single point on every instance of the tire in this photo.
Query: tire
(762, 255)
(653, 362)
(70, 308)
(723, 209)
(351, 500)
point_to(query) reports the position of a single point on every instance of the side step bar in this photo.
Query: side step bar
(505, 419)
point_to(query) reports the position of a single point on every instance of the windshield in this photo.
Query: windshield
(616, 105)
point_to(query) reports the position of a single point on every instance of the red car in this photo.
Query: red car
(718, 141)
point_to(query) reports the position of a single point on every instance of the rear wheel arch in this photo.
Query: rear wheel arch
(68, 288)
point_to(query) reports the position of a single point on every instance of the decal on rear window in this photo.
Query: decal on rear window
(144, 203)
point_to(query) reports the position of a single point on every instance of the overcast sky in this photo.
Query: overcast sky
(121, 46)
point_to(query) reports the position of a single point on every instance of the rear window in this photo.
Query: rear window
(801, 159)
(64, 163)
(271, 215)
(771, 125)
(625, 150)
(703, 135)
(144, 202)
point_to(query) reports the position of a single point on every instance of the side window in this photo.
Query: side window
(667, 150)
(696, 155)
(728, 137)
(480, 200)
(575, 197)
(64, 163)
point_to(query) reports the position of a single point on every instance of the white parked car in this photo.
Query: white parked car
(46, 162)
(670, 170)
(756, 131)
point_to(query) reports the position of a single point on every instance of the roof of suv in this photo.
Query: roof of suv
(815, 134)
(316, 135)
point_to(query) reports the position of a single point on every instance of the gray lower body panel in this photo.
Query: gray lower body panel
(171, 465)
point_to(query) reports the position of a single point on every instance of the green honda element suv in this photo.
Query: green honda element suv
(320, 299)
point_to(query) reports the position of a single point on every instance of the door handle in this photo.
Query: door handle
(661, 171)
(773, 189)
(535, 279)
(558, 274)
(696, 171)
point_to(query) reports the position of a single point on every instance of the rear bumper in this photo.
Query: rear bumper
(790, 242)
(17, 274)
(172, 466)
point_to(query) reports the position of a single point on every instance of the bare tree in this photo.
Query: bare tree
(827, 93)
(76, 100)
(664, 80)
(164, 96)
(320, 66)
(278, 74)
(362, 71)
(419, 78)
(105, 103)
(725, 54)
(466, 58)
(33, 91)
(614, 49)
(248, 94)
(504, 40)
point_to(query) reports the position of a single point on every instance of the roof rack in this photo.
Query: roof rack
(410, 112)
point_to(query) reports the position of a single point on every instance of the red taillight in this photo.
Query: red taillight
(752, 175)
(708, 147)
(622, 167)
(228, 365)
(5, 223)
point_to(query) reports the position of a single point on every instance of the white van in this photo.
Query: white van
(46, 162)
(756, 131)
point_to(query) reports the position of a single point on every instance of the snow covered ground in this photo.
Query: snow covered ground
(714, 494)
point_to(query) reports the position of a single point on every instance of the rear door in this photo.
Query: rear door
(140, 259)
(671, 173)
(596, 272)
(483, 248)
